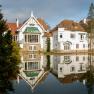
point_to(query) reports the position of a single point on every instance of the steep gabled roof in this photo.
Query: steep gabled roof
(13, 27)
(43, 23)
(35, 19)
(69, 25)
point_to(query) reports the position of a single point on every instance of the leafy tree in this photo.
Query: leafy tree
(9, 56)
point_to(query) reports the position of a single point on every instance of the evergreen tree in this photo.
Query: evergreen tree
(48, 44)
(9, 56)
(91, 12)
(89, 25)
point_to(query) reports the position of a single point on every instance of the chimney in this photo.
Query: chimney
(32, 14)
(17, 22)
(84, 21)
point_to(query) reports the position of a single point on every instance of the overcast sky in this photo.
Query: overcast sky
(52, 11)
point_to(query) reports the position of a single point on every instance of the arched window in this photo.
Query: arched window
(67, 45)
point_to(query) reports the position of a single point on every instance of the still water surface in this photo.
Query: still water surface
(51, 85)
(56, 74)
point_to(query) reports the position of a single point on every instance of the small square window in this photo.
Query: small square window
(72, 35)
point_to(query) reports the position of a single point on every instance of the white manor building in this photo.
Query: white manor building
(69, 36)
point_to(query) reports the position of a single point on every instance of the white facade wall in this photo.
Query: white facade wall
(58, 42)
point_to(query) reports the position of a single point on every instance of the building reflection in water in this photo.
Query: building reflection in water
(69, 64)
(70, 68)
(66, 68)
(33, 69)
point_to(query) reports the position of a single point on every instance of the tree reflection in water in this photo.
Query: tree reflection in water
(5, 86)
(90, 79)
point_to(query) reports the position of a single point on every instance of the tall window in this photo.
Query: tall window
(81, 36)
(60, 69)
(83, 58)
(25, 38)
(60, 35)
(31, 38)
(72, 69)
(35, 48)
(77, 58)
(83, 45)
(77, 45)
(25, 65)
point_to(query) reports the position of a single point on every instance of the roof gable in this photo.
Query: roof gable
(32, 21)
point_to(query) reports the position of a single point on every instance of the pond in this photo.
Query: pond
(51, 85)
(56, 74)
